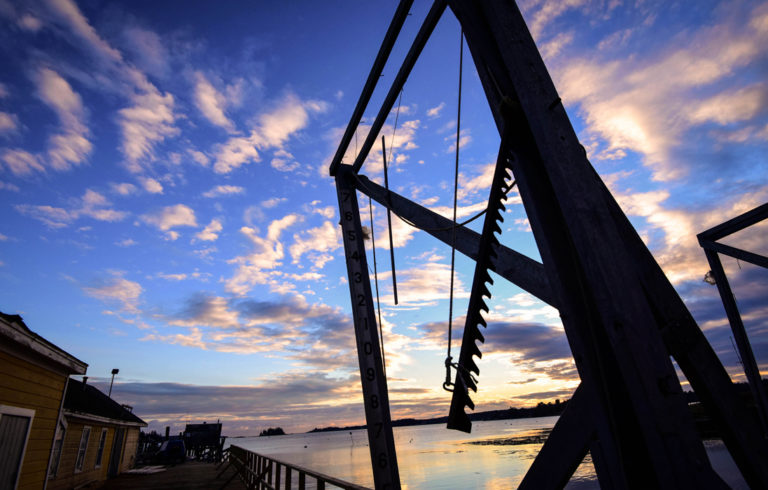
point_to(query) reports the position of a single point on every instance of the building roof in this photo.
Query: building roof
(89, 402)
(13, 328)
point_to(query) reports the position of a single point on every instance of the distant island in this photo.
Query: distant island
(277, 431)
(541, 410)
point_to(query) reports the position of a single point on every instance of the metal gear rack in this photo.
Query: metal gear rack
(621, 315)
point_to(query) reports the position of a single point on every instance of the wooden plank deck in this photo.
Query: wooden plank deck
(189, 475)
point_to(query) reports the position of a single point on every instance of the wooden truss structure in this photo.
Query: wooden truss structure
(622, 317)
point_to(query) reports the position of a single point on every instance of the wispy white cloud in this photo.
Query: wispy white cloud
(435, 111)
(272, 130)
(118, 290)
(148, 122)
(92, 204)
(8, 123)
(21, 162)
(171, 217)
(124, 188)
(151, 185)
(324, 238)
(71, 146)
(268, 251)
(224, 190)
(211, 103)
(147, 49)
(649, 105)
(211, 232)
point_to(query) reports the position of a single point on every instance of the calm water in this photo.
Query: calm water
(495, 455)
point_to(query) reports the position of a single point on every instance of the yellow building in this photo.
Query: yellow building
(33, 378)
(98, 439)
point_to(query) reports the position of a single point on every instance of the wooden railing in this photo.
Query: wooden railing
(263, 472)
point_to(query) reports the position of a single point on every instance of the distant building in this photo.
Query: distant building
(98, 440)
(33, 380)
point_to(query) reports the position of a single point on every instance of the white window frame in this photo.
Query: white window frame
(100, 450)
(61, 434)
(19, 412)
(84, 448)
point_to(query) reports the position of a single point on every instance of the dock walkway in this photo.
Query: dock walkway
(189, 475)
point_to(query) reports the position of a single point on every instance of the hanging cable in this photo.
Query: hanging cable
(448, 384)
(376, 282)
(394, 129)
(389, 219)
(444, 228)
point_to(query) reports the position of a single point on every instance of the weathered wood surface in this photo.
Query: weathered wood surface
(190, 475)
(611, 321)
(515, 267)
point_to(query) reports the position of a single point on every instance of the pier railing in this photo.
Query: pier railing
(263, 472)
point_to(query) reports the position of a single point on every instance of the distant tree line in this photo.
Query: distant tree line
(543, 409)
(277, 431)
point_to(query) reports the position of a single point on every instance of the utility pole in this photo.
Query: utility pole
(114, 372)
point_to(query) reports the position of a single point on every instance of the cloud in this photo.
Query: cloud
(8, 122)
(465, 138)
(124, 189)
(423, 285)
(92, 204)
(211, 103)
(435, 111)
(308, 400)
(651, 105)
(208, 311)
(272, 130)
(151, 185)
(677, 249)
(224, 190)
(148, 122)
(8, 186)
(404, 140)
(21, 162)
(171, 217)
(118, 290)
(148, 49)
(211, 232)
(324, 238)
(71, 146)
(126, 242)
(68, 14)
(199, 157)
(266, 255)
(547, 12)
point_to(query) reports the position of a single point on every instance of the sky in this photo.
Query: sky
(167, 209)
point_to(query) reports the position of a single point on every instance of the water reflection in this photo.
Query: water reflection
(495, 455)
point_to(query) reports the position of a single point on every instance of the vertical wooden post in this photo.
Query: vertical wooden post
(376, 398)
(740, 335)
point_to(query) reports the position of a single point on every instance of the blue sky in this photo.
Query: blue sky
(167, 208)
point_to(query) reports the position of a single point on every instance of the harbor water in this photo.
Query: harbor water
(495, 455)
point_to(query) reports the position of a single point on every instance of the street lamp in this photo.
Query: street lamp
(114, 372)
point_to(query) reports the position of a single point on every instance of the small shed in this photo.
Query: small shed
(33, 378)
(204, 441)
(99, 440)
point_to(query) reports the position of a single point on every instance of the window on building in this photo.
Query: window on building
(82, 449)
(15, 424)
(58, 443)
(100, 452)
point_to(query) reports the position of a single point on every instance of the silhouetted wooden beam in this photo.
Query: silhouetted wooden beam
(402, 75)
(702, 368)
(740, 336)
(735, 224)
(734, 252)
(373, 77)
(564, 450)
(524, 272)
(608, 319)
